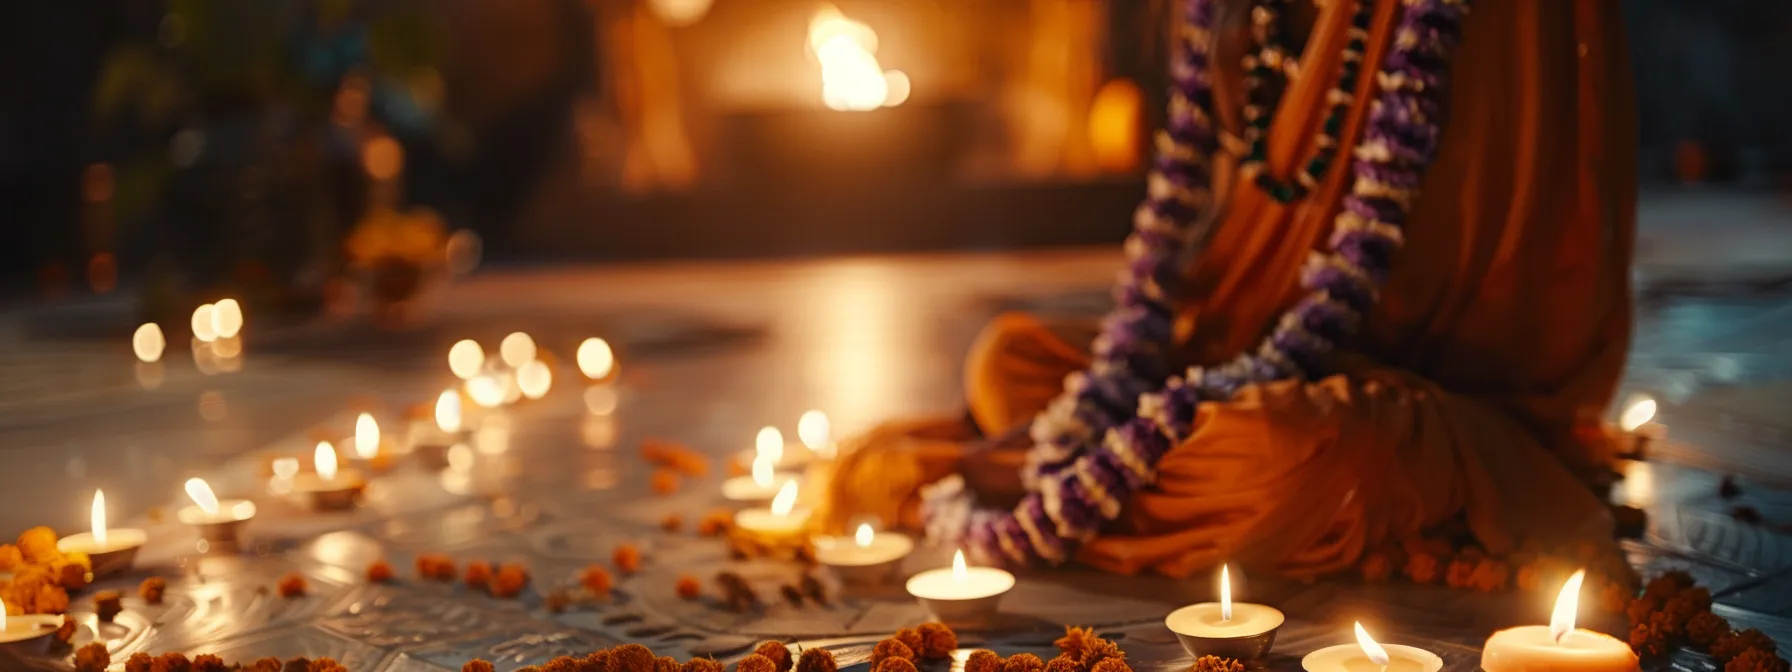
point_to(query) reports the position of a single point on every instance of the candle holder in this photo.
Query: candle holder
(1197, 628)
(222, 529)
(1346, 657)
(116, 555)
(340, 493)
(29, 634)
(867, 560)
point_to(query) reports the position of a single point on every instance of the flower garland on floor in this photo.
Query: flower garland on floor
(1101, 438)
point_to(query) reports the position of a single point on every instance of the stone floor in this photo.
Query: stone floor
(710, 353)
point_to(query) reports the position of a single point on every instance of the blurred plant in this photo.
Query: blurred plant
(239, 132)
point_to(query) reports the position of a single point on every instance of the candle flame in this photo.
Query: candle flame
(286, 467)
(99, 518)
(517, 349)
(851, 77)
(201, 494)
(762, 472)
(864, 535)
(1561, 621)
(1225, 593)
(486, 391)
(1640, 411)
(596, 359)
(148, 342)
(204, 325)
(227, 318)
(325, 459)
(465, 358)
(812, 429)
(1376, 654)
(786, 499)
(769, 444)
(448, 411)
(534, 379)
(959, 573)
(367, 437)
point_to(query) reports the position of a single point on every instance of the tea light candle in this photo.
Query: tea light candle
(1243, 631)
(961, 594)
(867, 557)
(432, 447)
(28, 632)
(218, 522)
(1367, 655)
(329, 489)
(1558, 647)
(781, 520)
(111, 551)
(761, 486)
(1639, 427)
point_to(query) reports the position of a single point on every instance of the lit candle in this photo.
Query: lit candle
(961, 594)
(1558, 647)
(760, 486)
(867, 557)
(431, 444)
(1367, 655)
(219, 522)
(778, 522)
(329, 489)
(367, 437)
(29, 632)
(110, 550)
(1242, 630)
(465, 359)
(1639, 428)
(769, 444)
(813, 430)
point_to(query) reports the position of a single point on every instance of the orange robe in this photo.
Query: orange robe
(1502, 328)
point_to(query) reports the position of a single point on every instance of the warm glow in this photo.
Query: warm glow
(517, 349)
(769, 444)
(99, 518)
(679, 13)
(448, 411)
(786, 499)
(851, 78)
(864, 535)
(2, 615)
(959, 573)
(227, 318)
(1115, 125)
(148, 342)
(1225, 593)
(596, 360)
(812, 429)
(1561, 621)
(1640, 411)
(286, 467)
(201, 494)
(534, 379)
(325, 460)
(204, 326)
(1376, 654)
(486, 391)
(762, 472)
(465, 358)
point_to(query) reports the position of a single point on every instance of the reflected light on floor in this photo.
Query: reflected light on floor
(598, 431)
(600, 400)
(857, 338)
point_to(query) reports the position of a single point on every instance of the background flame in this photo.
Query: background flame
(465, 358)
(1640, 411)
(769, 444)
(864, 535)
(325, 460)
(812, 429)
(596, 359)
(786, 499)
(448, 411)
(851, 78)
(367, 436)
(202, 496)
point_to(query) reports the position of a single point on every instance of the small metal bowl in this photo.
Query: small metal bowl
(1245, 648)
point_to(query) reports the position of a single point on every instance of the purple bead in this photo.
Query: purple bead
(1379, 209)
(1326, 319)
(1075, 512)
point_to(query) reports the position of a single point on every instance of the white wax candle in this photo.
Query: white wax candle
(960, 582)
(1532, 648)
(116, 540)
(865, 547)
(27, 627)
(1351, 658)
(767, 521)
(1207, 620)
(1558, 647)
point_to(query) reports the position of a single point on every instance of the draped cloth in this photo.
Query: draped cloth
(1499, 336)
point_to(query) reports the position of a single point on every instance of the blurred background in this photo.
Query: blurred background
(316, 155)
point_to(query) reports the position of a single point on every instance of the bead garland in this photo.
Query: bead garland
(1273, 59)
